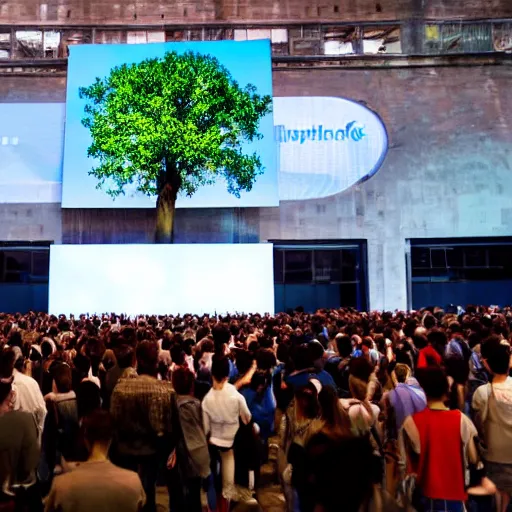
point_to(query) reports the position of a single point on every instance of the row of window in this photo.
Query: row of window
(445, 38)
(461, 263)
(24, 265)
(316, 266)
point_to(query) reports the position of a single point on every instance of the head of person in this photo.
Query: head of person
(221, 336)
(125, 356)
(7, 360)
(88, 398)
(457, 369)
(6, 394)
(400, 373)
(183, 381)
(336, 419)
(260, 381)
(344, 345)
(302, 358)
(62, 379)
(434, 382)
(220, 368)
(265, 359)
(97, 431)
(244, 360)
(366, 345)
(360, 371)
(496, 355)
(177, 355)
(306, 399)
(147, 358)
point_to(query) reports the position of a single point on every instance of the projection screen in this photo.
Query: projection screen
(161, 279)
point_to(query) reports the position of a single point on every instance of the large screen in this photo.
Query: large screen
(31, 141)
(249, 62)
(161, 279)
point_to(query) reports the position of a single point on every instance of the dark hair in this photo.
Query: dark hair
(361, 368)
(63, 378)
(316, 350)
(5, 388)
(177, 355)
(265, 359)
(332, 413)
(220, 368)
(124, 356)
(221, 336)
(97, 427)
(302, 358)
(306, 397)
(244, 361)
(46, 349)
(260, 379)
(433, 381)
(183, 381)
(147, 358)
(344, 345)
(7, 358)
(497, 357)
(458, 369)
(15, 339)
(88, 398)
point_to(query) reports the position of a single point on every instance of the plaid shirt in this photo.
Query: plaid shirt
(141, 410)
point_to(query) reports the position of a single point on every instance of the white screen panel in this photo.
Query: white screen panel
(161, 279)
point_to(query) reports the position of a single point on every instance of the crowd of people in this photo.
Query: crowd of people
(361, 411)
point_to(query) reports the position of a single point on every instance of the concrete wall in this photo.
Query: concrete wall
(447, 174)
(189, 11)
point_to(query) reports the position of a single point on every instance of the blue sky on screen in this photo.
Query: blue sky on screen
(247, 61)
(31, 139)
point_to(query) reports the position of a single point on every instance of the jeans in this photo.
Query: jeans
(147, 466)
(148, 473)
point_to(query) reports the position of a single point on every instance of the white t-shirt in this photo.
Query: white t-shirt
(222, 409)
(496, 420)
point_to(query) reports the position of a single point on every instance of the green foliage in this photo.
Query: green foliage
(179, 114)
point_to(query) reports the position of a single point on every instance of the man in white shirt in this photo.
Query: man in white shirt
(28, 396)
(223, 407)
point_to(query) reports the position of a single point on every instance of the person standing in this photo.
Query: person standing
(141, 411)
(19, 453)
(223, 408)
(96, 484)
(438, 445)
(492, 408)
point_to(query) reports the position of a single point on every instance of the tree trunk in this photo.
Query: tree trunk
(169, 186)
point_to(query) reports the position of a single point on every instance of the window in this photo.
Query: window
(340, 40)
(5, 45)
(322, 265)
(278, 37)
(464, 262)
(24, 264)
(298, 266)
(218, 34)
(381, 40)
(458, 38)
(51, 43)
(328, 266)
(110, 36)
(502, 37)
(29, 44)
(145, 36)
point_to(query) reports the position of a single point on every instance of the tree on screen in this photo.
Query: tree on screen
(172, 125)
